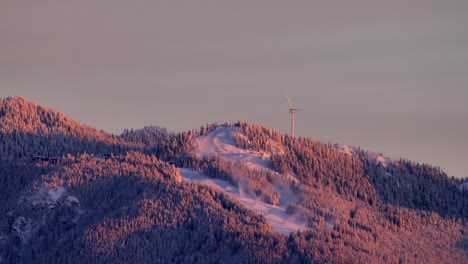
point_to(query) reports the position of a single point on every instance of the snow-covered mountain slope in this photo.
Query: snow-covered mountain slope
(344, 148)
(35, 212)
(352, 151)
(222, 142)
(275, 215)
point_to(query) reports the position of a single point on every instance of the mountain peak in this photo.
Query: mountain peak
(12, 102)
(18, 114)
(36, 130)
(236, 189)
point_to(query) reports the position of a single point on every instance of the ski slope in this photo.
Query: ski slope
(221, 142)
(275, 215)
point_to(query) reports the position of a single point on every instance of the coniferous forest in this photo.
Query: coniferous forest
(121, 198)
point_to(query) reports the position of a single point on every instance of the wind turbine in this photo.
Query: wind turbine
(292, 110)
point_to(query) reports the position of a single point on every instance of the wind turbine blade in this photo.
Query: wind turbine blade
(289, 102)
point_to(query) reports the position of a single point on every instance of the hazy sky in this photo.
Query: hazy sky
(389, 76)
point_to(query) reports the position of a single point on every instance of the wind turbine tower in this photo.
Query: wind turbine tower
(292, 110)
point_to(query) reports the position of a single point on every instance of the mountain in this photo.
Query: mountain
(230, 193)
(31, 129)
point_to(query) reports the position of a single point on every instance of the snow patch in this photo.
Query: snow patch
(345, 149)
(280, 221)
(51, 197)
(39, 209)
(72, 199)
(221, 141)
(55, 193)
(382, 160)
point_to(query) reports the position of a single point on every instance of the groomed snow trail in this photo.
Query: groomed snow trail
(275, 215)
(221, 142)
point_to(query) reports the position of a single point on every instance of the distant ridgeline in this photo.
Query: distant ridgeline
(28, 129)
(75, 194)
(360, 174)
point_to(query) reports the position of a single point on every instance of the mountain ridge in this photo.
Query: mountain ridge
(223, 193)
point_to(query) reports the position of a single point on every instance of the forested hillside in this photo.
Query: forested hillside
(28, 129)
(360, 174)
(358, 196)
(131, 208)
(121, 199)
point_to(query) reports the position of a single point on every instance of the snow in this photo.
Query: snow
(275, 215)
(39, 207)
(221, 142)
(55, 193)
(50, 197)
(345, 149)
(381, 159)
(72, 199)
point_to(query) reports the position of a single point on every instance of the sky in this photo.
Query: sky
(387, 76)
